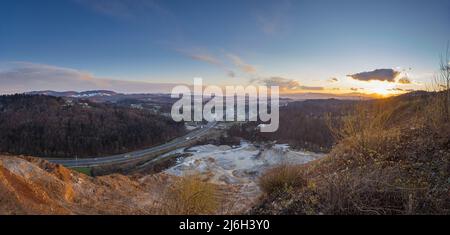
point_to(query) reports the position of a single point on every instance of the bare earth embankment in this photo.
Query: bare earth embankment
(223, 179)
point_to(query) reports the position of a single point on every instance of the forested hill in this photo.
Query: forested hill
(54, 127)
(302, 124)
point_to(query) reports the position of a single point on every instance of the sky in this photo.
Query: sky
(132, 46)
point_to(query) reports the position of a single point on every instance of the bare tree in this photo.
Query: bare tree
(445, 74)
(442, 80)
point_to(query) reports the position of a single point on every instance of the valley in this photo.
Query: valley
(232, 168)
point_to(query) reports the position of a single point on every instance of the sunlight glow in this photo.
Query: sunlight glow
(382, 91)
(381, 88)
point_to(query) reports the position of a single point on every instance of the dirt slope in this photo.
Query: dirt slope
(33, 186)
(392, 158)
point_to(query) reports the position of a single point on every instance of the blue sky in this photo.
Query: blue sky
(224, 42)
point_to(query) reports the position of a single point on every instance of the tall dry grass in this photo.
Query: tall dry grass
(367, 128)
(190, 195)
(282, 179)
(392, 157)
(438, 108)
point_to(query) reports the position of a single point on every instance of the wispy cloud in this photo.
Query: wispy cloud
(200, 55)
(285, 84)
(312, 88)
(237, 63)
(243, 66)
(18, 77)
(205, 58)
(273, 18)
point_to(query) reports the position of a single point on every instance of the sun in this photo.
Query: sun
(381, 88)
(382, 91)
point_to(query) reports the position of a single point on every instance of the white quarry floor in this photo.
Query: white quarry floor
(240, 165)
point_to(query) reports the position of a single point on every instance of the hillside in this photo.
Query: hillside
(303, 124)
(392, 157)
(34, 186)
(48, 126)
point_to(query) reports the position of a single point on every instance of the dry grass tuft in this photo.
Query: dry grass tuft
(190, 195)
(281, 179)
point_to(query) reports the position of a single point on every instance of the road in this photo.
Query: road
(131, 156)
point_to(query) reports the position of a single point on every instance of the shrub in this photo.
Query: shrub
(281, 179)
(190, 195)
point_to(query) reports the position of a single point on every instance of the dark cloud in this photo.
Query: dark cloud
(333, 80)
(388, 75)
(404, 80)
(400, 89)
(356, 89)
(231, 74)
(396, 89)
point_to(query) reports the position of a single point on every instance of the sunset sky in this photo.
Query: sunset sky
(381, 47)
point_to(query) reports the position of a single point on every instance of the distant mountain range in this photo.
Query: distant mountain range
(107, 94)
(74, 94)
(316, 96)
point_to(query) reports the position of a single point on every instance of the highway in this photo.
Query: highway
(135, 155)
